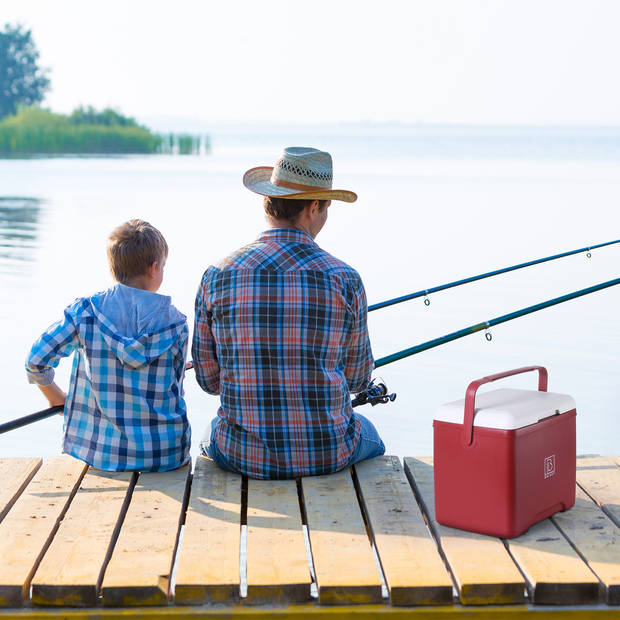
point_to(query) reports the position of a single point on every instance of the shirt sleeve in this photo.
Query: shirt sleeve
(359, 360)
(58, 341)
(204, 349)
(180, 357)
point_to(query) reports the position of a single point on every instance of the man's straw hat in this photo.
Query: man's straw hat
(301, 173)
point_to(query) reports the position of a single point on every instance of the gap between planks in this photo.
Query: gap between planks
(15, 474)
(208, 563)
(276, 560)
(141, 564)
(345, 568)
(597, 541)
(72, 569)
(599, 477)
(29, 527)
(483, 570)
(413, 568)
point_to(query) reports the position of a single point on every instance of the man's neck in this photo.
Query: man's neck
(276, 223)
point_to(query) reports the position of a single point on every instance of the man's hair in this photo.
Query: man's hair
(287, 208)
(133, 247)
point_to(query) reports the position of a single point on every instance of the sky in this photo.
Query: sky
(415, 61)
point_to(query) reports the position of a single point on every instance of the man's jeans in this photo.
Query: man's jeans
(369, 445)
(209, 448)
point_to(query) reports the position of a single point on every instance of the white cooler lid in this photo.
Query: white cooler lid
(508, 408)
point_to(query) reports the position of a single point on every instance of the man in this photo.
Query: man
(280, 333)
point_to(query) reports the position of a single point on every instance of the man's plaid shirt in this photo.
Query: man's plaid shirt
(281, 334)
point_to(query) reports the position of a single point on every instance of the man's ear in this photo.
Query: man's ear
(153, 269)
(308, 210)
(314, 206)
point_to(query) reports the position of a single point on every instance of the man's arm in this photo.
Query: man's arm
(204, 351)
(179, 363)
(359, 359)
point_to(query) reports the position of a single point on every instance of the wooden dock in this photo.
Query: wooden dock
(80, 543)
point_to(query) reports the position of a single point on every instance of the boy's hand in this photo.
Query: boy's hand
(55, 396)
(189, 365)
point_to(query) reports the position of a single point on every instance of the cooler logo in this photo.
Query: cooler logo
(550, 466)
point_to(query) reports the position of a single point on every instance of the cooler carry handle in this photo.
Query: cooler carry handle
(467, 435)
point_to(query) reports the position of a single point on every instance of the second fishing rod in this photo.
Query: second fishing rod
(442, 287)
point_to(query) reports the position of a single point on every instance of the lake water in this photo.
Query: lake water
(435, 204)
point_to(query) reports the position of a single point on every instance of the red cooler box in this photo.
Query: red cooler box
(506, 459)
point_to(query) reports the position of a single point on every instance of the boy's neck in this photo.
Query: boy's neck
(144, 283)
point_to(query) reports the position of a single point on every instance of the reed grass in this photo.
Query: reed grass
(35, 131)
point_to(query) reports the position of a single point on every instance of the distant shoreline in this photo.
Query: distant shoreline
(36, 132)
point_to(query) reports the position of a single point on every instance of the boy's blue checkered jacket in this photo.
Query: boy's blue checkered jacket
(125, 409)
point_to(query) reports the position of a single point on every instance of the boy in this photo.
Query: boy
(125, 409)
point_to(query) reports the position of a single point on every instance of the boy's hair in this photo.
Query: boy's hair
(287, 208)
(133, 247)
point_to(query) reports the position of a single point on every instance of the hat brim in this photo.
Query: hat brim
(258, 180)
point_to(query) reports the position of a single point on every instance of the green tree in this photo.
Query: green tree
(22, 81)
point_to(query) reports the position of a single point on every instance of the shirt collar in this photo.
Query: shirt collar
(286, 235)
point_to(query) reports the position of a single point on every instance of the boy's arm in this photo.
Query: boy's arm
(58, 341)
(55, 396)
(204, 352)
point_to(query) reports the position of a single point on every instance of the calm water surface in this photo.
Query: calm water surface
(435, 205)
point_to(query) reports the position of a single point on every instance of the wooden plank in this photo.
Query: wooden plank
(555, 574)
(597, 539)
(141, 563)
(414, 571)
(277, 564)
(208, 565)
(344, 565)
(71, 570)
(15, 474)
(599, 476)
(482, 568)
(29, 526)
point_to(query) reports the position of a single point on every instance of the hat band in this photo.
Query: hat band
(288, 185)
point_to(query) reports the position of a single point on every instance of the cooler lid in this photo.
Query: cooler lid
(508, 408)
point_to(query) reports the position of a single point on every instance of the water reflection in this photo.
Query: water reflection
(19, 228)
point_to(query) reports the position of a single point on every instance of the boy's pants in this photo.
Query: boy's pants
(369, 445)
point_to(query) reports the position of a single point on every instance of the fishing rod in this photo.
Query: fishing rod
(29, 419)
(399, 355)
(377, 393)
(482, 276)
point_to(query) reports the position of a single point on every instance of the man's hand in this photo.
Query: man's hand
(55, 396)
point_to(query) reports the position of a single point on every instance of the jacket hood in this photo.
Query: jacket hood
(138, 326)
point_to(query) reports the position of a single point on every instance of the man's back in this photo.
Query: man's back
(281, 334)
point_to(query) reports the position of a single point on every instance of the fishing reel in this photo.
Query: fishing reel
(375, 394)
